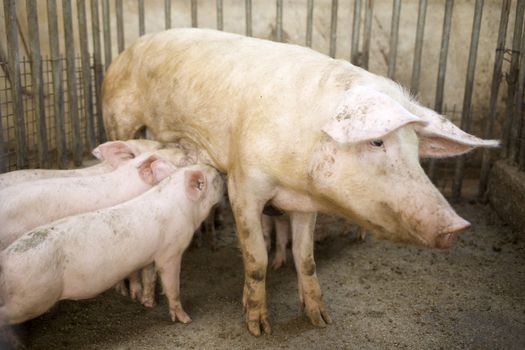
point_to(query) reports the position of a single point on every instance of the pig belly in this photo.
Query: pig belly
(104, 255)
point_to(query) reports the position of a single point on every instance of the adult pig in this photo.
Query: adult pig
(28, 205)
(80, 256)
(110, 153)
(295, 128)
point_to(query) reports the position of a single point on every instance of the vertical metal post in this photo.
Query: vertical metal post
(279, 21)
(86, 74)
(394, 34)
(248, 8)
(120, 26)
(99, 68)
(13, 67)
(58, 88)
(369, 9)
(220, 19)
(333, 29)
(194, 20)
(467, 99)
(513, 75)
(167, 14)
(356, 26)
(3, 154)
(420, 32)
(440, 87)
(106, 27)
(515, 133)
(309, 22)
(37, 82)
(494, 89)
(142, 19)
(71, 81)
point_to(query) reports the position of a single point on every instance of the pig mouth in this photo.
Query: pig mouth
(447, 239)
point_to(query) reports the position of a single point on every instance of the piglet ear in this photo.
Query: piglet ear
(441, 138)
(114, 152)
(194, 184)
(366, 114)
(162, 169)
(146, 172)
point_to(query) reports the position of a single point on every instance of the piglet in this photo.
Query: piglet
(110, 153)
(31, 204)
(81, 256)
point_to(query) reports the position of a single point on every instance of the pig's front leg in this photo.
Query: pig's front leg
(303, 225)
(169, 271)
(247, 210)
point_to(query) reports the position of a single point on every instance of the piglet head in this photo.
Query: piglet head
(154, 169)
(115, 152)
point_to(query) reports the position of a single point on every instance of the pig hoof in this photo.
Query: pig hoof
(318, 316)
(255, 326)
(278, 262)
(121, 288)
(148, 302)
(179, 314)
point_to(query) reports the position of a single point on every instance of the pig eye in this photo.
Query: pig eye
(377, 143)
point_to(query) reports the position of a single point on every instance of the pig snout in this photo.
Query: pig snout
(447, 237)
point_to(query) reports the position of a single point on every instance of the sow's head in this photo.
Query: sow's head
(366, 167)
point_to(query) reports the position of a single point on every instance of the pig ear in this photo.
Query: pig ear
(194, 184)
(366, 114)
(162, 169)
(146, 172)
(441, 138)
(114, 152)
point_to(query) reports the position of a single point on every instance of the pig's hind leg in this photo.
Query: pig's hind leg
(149, 279)
(303, 225)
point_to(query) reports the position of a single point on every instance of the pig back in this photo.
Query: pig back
(221, 90)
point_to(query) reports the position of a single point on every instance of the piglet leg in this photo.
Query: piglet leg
(169, 271)
(149, 279)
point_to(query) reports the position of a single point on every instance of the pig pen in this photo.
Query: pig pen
(380, 294)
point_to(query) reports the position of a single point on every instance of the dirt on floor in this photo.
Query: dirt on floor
(379, 294)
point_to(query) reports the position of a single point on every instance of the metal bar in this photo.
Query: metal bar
(220, 19)
(71, 81)
(22, 37)
(309, 22)
(248, 8)
(467, 99)
(37, 82)
(98, 67)
(512, 76)
(394, 35)
(515, 134)
(13, 66)
(333, 29)
(167, 14)
(142, 18)
(194, 19)
(356, 26)
(58, 88)
(420, 32)
(440, 87)
(120, 26)
(279, 21)
(86, 74)
(106, 27)
(4, 160)
(369, 9)
(496, 80)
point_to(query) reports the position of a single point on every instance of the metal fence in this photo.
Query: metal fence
(50, 113)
